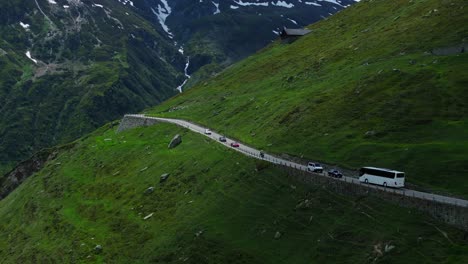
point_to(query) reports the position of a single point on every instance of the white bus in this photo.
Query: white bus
(385, 177)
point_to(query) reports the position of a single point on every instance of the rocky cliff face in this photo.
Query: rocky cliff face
(24, 170)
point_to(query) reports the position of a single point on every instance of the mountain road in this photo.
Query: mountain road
(255, 153)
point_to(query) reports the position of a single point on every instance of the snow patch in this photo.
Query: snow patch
(125, 2)
(312, 3)
(52, 2)
(332, 1)
(98, 5)
(292, 20)
(217, 11)
(24, 25)
(162, 14)
(28, 54)
(282, 4)
(241, 3)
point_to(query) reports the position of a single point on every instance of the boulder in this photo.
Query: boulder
(98, 249)
(176, 140)
(389, 248)
(198, 233)
(149, 190)
(277, 235)
(148, 216)
(164, 177)
(445, 51)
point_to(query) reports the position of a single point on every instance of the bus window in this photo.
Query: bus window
(400, 175)
(361, 171)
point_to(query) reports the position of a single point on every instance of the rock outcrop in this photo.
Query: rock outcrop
(176, 140)
(164, 177)
(452, 50)
(24, 170)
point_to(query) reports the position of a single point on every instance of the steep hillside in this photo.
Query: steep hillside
(67, 67)
(94, 204)
(382, 83)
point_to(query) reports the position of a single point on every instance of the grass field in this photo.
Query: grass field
(363, 89)
(217, 206)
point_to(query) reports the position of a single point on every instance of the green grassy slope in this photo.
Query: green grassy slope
(363, 89)
(94, 193)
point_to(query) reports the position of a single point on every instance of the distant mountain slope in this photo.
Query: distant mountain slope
(216, 33)
(69, 66)
(101, 200)
(382, 83)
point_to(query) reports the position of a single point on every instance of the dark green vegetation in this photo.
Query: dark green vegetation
(217, 206)
(93, 65)
(363, 89)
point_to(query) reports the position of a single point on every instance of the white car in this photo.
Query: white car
(207, 132)
(314, 167)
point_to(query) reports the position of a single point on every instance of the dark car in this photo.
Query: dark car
(222, 139)
(234, 144)
(335, 173)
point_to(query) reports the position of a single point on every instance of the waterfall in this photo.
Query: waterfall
(179, 88)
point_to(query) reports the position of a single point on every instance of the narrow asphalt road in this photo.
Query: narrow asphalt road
(255, 153)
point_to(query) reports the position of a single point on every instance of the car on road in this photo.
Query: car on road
(314, 167)
(335, 173)
(222, 139)
(234, 144)
(207, 132)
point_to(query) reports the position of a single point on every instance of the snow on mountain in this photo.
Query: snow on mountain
(241, 3)
(217, 11)
(28, 54)
(283, 4)
(125, 2)
(219, 32)
(24, 25)
(187, 10)
(163, 11)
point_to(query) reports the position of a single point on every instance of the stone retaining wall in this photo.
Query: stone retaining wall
(451, 214)
(129, 121)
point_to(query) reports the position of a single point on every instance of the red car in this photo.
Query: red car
(234, 144)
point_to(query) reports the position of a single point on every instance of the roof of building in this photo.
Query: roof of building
(295, 31)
